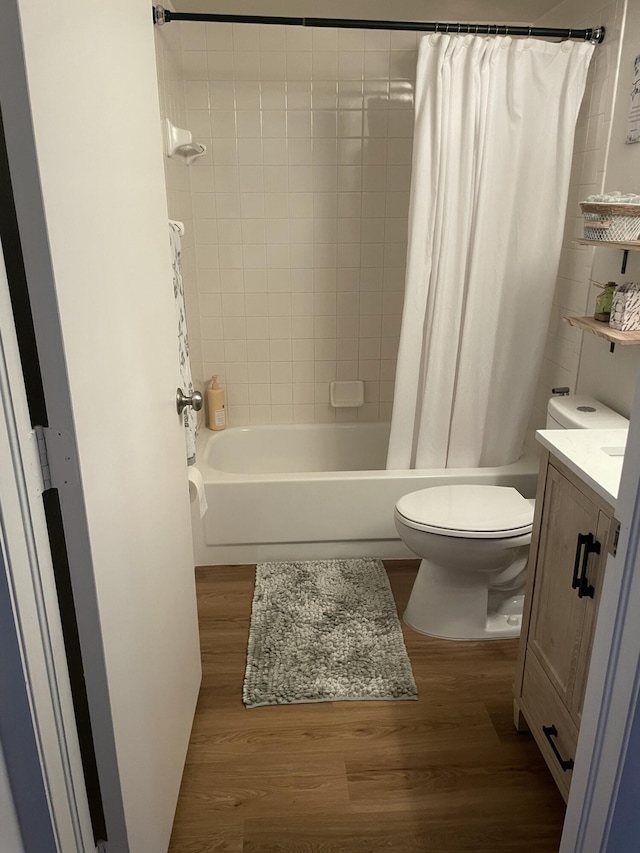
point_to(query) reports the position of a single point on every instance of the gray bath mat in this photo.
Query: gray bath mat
(325, 631)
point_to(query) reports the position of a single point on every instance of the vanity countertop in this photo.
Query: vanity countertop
(594, 455)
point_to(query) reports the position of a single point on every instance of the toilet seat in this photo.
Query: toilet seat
(467, 511)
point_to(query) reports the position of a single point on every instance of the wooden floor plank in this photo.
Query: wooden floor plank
(407, 832)
(445, 774)
(268, 786)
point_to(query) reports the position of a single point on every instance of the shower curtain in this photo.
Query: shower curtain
(493, 140)
(186, 382)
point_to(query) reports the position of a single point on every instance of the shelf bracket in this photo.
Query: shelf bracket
(612, 347)
(625, 255)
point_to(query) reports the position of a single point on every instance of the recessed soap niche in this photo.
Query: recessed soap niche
(348, 394)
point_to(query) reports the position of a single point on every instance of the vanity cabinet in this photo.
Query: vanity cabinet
(566, 567)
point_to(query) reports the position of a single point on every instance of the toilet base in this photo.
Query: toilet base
(498, 627)
(461, 606)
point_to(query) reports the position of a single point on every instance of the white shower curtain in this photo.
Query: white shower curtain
(493, 140)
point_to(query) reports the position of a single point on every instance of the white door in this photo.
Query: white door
(90, 202)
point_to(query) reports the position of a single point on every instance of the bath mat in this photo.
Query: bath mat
(325, 631)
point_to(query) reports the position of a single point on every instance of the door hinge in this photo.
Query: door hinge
(43, 456)
(614, 536)
(57, 458)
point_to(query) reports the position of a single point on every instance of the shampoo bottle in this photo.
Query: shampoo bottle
(215, 399)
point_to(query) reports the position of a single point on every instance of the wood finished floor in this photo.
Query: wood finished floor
(445, 774)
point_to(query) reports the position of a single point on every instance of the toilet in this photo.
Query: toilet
(474, 543)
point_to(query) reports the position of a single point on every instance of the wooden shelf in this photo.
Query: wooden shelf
(634, 245)
(604, 330)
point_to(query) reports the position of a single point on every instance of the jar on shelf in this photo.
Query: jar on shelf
(604, 302)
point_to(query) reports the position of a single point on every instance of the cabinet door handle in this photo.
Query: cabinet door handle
(551, 732)
(582, 540)
(591, 546)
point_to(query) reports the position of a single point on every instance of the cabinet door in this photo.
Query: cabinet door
(594, 575)
(558, 612)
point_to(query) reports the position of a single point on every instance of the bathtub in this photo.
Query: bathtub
(316, 491)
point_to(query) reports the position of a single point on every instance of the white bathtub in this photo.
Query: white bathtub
(313, 491)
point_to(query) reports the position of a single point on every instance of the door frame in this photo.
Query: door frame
(37, 720)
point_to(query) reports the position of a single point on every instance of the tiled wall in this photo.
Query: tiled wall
(177, 177)
(300, 212)
(574, 293)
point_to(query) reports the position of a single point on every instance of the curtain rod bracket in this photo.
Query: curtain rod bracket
(160, 16)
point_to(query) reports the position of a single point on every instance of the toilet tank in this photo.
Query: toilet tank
(577, 411)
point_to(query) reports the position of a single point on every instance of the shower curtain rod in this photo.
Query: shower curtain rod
(595, 36)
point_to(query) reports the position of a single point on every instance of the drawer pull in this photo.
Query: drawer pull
(586, 545)
(551, 732)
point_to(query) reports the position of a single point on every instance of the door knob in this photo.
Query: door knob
(182, 401)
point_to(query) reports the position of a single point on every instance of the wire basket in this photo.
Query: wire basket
(613, 223)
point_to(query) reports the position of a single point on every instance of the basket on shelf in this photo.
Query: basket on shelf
(618, 223)
(625, 308)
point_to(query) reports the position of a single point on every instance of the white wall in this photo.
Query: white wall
(612, 377)
(573, 289)
(602, 162)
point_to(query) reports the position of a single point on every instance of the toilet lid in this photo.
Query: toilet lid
(483, 512)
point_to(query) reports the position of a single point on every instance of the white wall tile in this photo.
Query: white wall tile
(257, 328)
(302, 327)
(302, 350)
(219, 36)
(325, 38)
(298, 77)
(246, 65)
(194, 65)
(258, 350)
(280, 350)
(350, 67)
(298, 38)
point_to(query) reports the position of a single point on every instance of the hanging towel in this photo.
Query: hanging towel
(186, 382)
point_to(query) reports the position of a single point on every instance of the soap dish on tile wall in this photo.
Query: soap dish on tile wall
(180, 144)
(349, 394)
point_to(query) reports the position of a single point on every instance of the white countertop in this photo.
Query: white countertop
(584, 451)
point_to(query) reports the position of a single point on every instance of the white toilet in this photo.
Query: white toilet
(474, 543)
